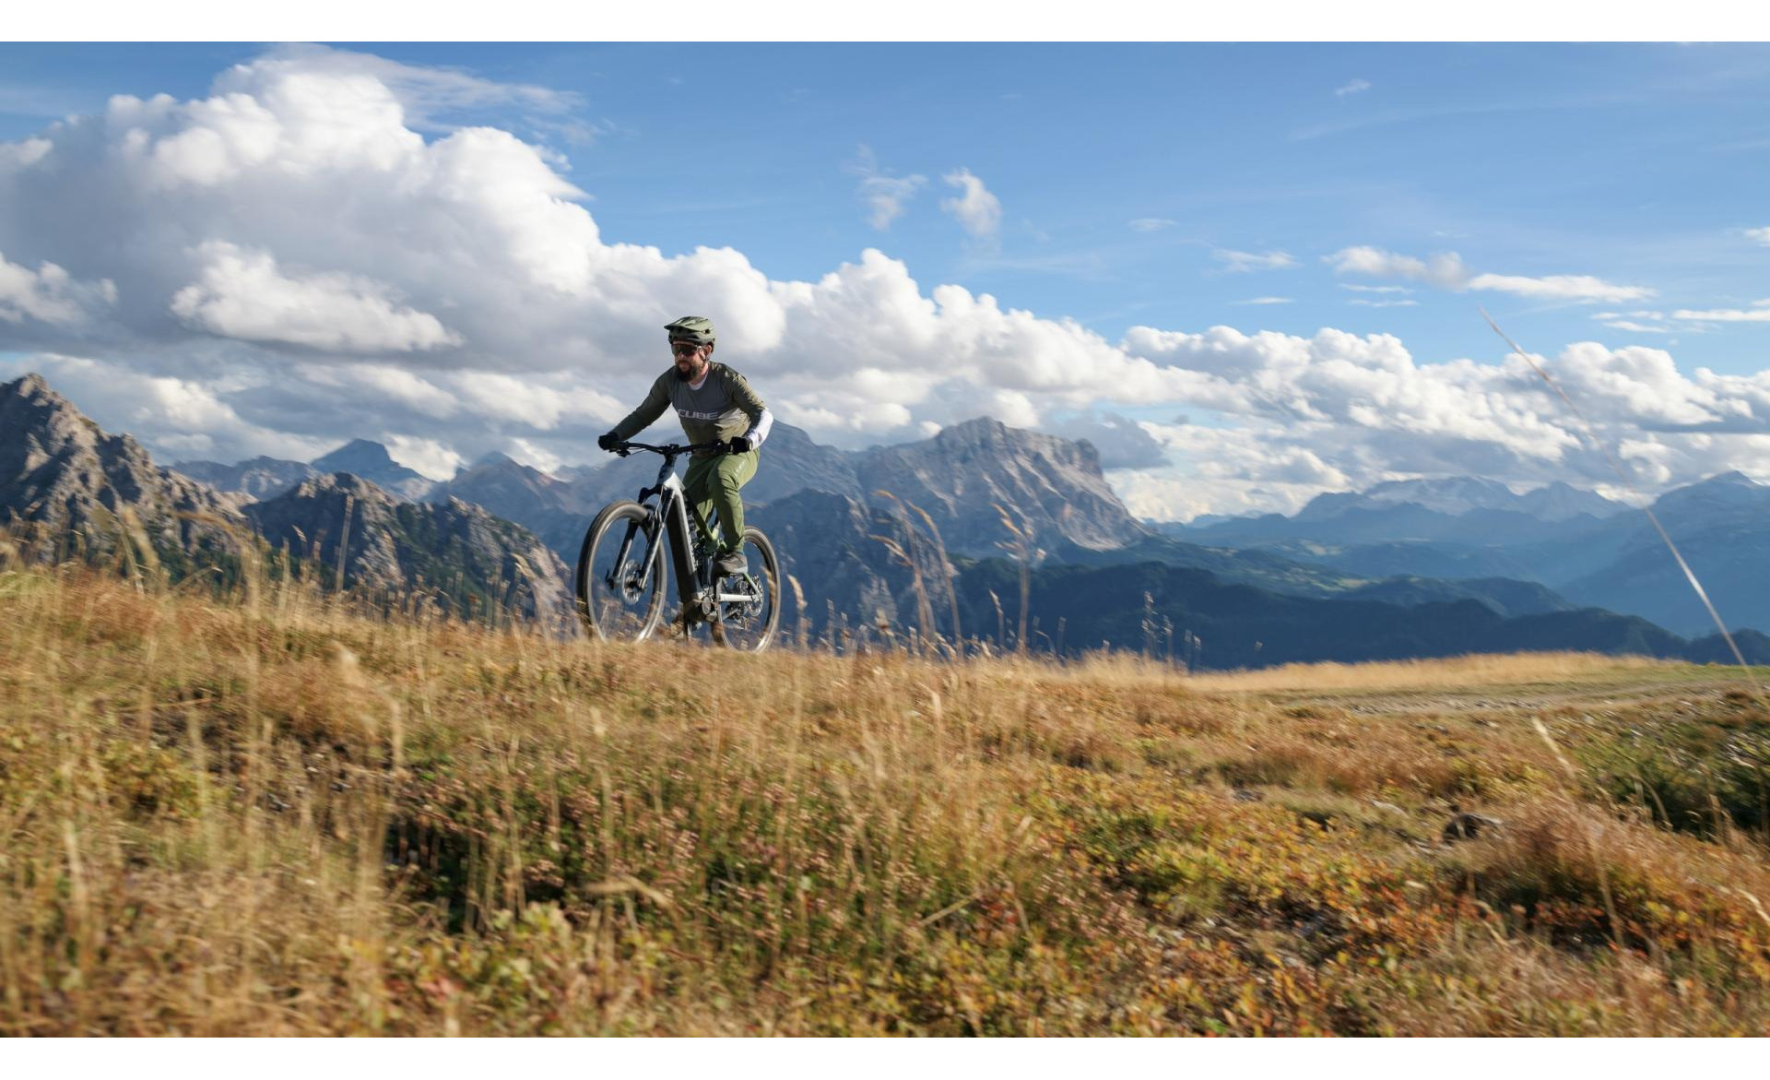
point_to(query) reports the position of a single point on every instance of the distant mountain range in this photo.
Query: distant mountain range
(1412, 568)
(267, 477)
(1589, 550)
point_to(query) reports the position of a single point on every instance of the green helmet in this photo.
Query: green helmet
(695, 328)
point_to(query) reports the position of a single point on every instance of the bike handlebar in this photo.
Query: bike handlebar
(626, 448)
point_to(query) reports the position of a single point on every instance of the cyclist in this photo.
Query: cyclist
(715, 404)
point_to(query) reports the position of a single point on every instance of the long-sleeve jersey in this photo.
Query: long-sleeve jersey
(722, 407)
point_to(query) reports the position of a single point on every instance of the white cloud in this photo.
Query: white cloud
(1151, 224)
(242, 294)
(1356, 86)
(885, 195)
(1362, 406)
(432, 98)
(1756, 314)
(1559, 287)
(18, 155)
(1268, 300)
(1357, 302)
(1762, 236)
(1637, 328)
(1245, 262)
(1445, 270)
(535, 456)
(49, 294)
(288, 263)
(977, 210)
(426, 456)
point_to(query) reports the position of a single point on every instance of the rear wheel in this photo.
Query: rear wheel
(749, 612)
(621, 575)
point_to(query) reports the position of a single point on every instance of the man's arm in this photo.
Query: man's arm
(761, 420)
(648, 412)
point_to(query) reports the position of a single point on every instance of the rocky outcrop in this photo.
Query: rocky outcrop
(467, 561)
(87, 490)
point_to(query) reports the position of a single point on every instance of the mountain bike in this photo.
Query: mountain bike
(621, 575)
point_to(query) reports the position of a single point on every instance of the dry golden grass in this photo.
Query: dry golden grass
(271, 816)
(1511, 669)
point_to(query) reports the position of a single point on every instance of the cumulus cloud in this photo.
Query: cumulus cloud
(1245, 262)
(433, 98)
(978, 211)
(20, 154)
(1445, 270)
(884, 195)
(49, 294)
(1366, 409)
(242, 294)
(426, 456)
(1121, 442)
(290, 261)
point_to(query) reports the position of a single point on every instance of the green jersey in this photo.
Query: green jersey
(722, 407)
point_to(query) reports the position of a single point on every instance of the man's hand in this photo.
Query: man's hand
(607, 442)
(739, 445)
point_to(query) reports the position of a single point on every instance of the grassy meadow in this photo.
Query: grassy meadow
(267, 815)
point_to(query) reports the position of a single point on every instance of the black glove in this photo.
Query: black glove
(607, 442)
(739, 445)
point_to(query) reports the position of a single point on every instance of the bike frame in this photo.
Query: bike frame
(670, 516)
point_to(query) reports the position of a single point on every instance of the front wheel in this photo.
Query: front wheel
(620, 579)
(749, 609)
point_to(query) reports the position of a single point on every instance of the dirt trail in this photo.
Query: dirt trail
(1622, 688)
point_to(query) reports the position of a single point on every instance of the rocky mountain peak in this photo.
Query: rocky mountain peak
(59, 468)
(961, 474)
(1732, 477)
(361, 453)
(370, 460)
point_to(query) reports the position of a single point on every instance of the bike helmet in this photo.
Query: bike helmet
(695, 328)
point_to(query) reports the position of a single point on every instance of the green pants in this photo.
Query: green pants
(713, 482)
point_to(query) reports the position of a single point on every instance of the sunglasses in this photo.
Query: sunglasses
(683, 348)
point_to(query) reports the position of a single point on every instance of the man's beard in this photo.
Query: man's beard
(689, 376)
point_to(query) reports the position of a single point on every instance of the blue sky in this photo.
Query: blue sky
(1637, 164)
(1582, 193)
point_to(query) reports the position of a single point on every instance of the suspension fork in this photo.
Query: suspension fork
(651, 537)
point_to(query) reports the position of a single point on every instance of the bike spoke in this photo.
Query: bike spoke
(620, 585)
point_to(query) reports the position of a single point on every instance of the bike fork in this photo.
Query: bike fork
(626, 550)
